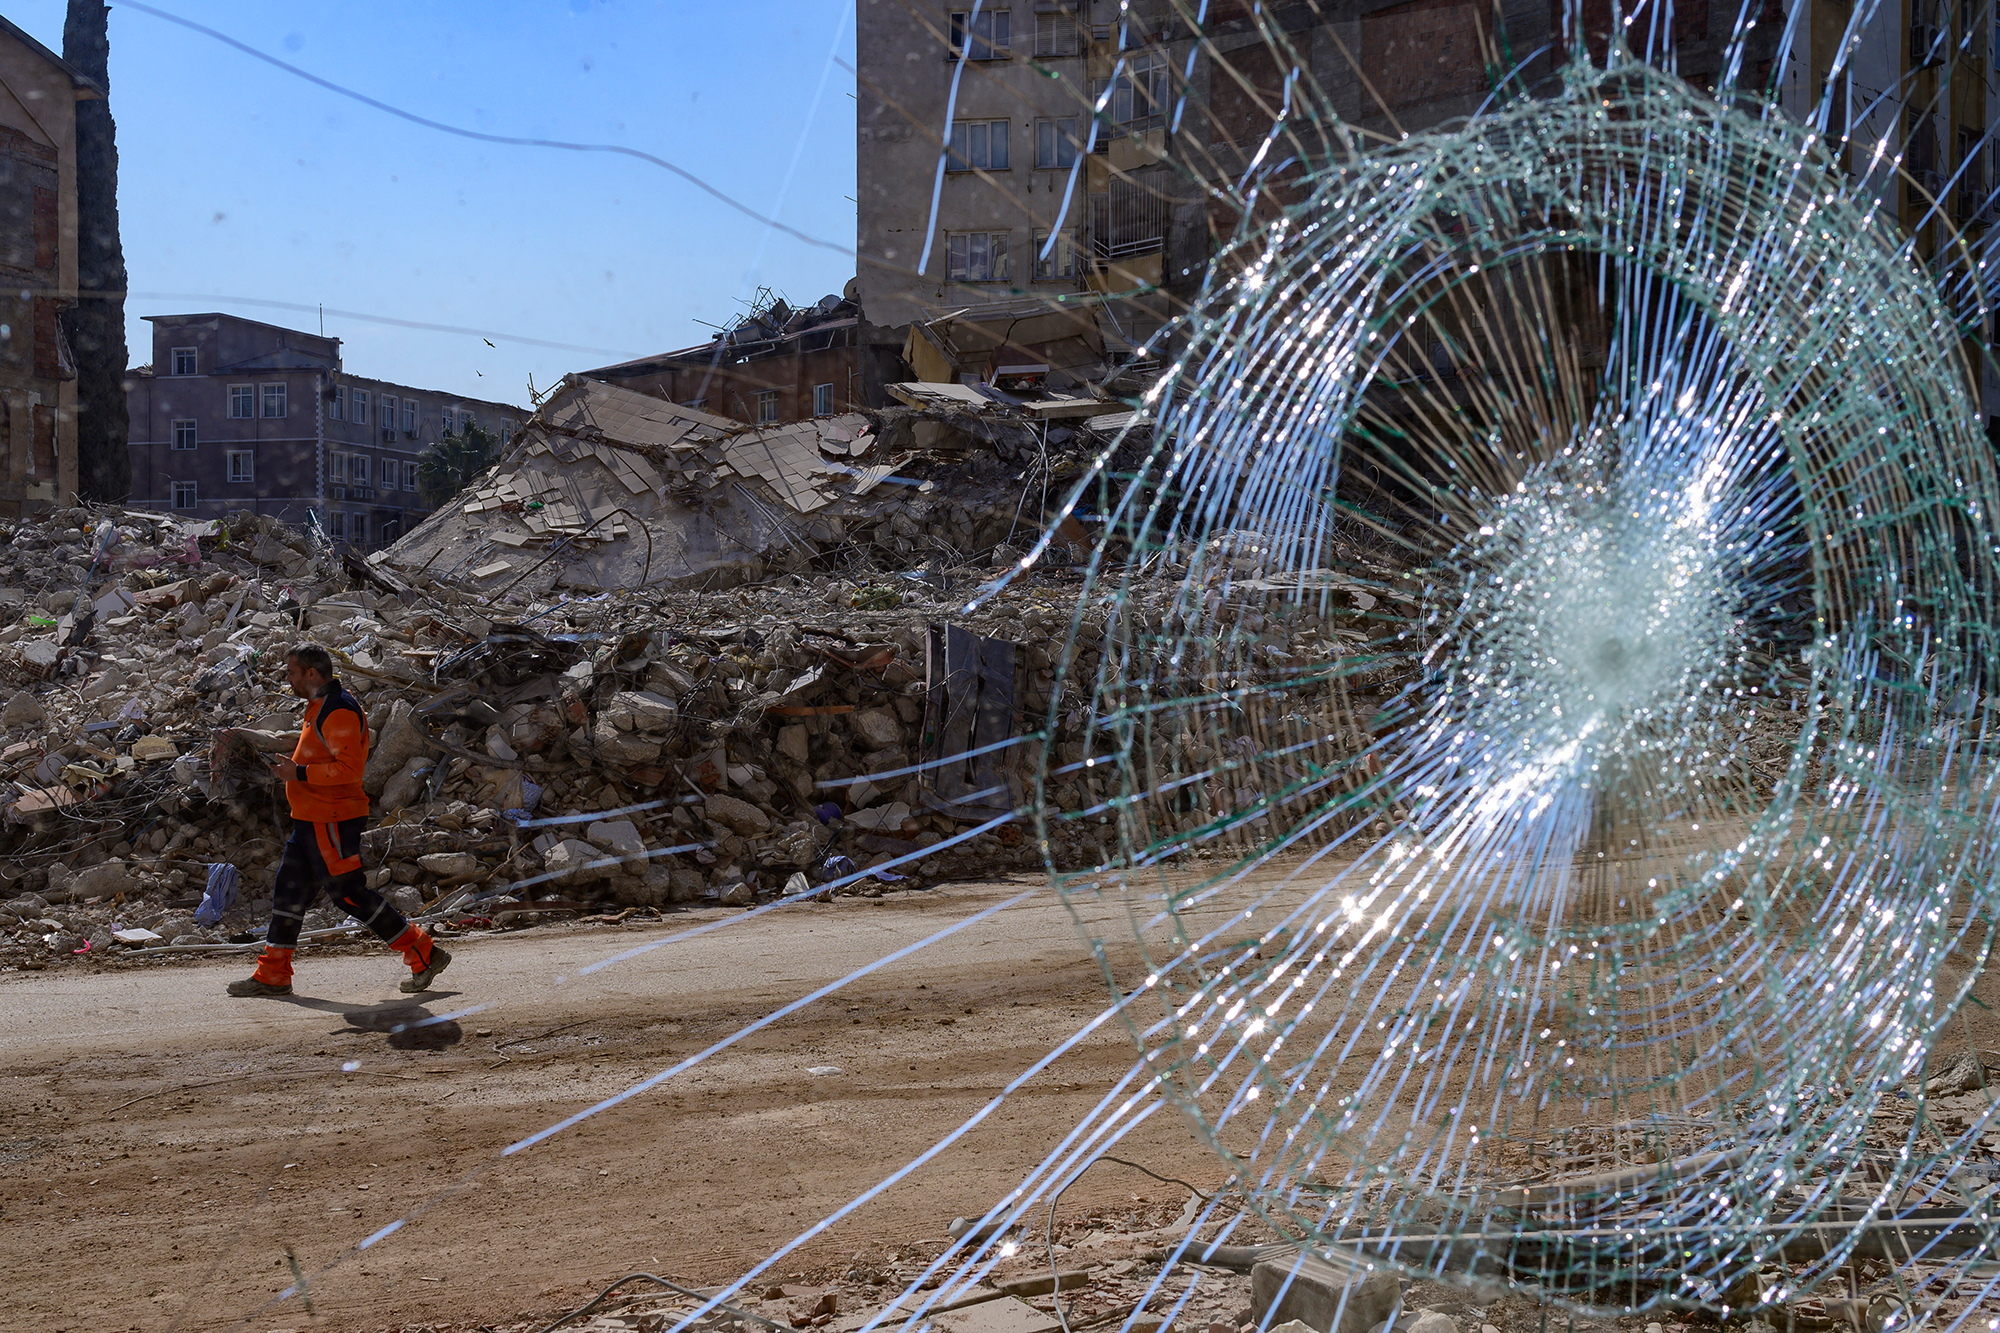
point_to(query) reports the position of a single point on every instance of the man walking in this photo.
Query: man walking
(329, 810)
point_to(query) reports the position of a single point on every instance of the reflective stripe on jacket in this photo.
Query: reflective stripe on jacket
(333, 747)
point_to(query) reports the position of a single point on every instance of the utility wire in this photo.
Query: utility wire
(515, 140)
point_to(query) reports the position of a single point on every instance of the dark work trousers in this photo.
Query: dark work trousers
(327, 856)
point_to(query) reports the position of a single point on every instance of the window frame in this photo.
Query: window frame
(269, 394)
(245, 396)
(409, 416)
(360, 407)
(179, 426)
(959, 153)
(337, 405)
(187, 491)
(336, 524)
(823, 399)
(246, 474)
(336, 469)
(960, 248)
(1153, 67)
(992, 36)
(1050, 128)
(409, 474)
(193, 355)
(1048, 36)
(767, 407)
(1068, 244)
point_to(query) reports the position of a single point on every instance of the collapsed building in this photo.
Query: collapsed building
(651, 658)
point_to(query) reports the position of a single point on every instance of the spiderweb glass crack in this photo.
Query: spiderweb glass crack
(1636, 809)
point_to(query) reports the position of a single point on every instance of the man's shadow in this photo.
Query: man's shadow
(410, 1026)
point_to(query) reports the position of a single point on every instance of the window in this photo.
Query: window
(357, 528)
(361, 407)
(1056, 35)
(977, 145)
(1139, 97)
(242, 400)
(274, 400)
(338, 408)
(183, 433)
(1055, 143)
(978, 256)
(242, 465)
(1060, 262)
(409, 416)
(767, 407)
(336, 469)
(184, 361)
(385, 404)
(183, 495)
(466, 420)
(336, 524)
(409, 476)
(991, 32)
(357, 469)
(822, 400)
(445, 416)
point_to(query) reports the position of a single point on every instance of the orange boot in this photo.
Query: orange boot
(272, 977)
(421, 952)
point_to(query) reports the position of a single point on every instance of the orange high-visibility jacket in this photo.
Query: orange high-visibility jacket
(333, 748)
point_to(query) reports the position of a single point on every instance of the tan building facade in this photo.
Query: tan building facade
(38, 231)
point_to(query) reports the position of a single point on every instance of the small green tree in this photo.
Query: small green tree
(444, 469)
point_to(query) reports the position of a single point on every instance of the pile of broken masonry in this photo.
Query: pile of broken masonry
(765, 734)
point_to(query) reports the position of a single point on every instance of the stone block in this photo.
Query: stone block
(450, 865)
(620, 836)
(739, 815)
(24, 709)
(792, 742)
(878, 728)
(400, 741)
(1329, 1297)
(101, 881)
(641, 710)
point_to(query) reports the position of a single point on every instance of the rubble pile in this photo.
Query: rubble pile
(623, 750)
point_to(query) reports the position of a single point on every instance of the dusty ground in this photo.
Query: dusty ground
(252, 1148)
(171, 1158)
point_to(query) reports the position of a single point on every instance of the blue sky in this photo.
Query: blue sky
(237, 179)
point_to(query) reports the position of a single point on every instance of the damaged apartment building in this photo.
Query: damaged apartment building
(38, 272)
(773, 365)
(1079, 138)
(234, 415)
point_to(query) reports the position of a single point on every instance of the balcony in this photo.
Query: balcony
(1127, 221)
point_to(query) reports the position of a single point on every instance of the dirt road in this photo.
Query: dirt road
(167, 1154)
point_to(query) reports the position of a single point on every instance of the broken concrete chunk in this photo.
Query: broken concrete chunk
(738, 894)
(401, 741)
(793, 742)
(1329, 1297)
(24, 709)
(450, 865)
(620, 836)
(622, 747)
(101, 881)
(878, 728)
(408, 784)
(149, 749)
(641, 710)
(571, 862)
(735, 814)
(1434, 1321)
